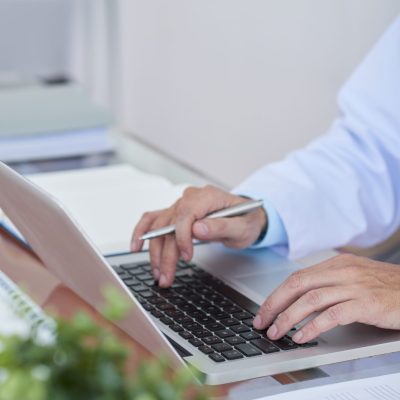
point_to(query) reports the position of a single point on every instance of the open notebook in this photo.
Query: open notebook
(107, 202)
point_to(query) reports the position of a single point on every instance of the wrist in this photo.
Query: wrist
(263, 218)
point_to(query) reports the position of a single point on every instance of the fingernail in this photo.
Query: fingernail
(184, 256)
(156, 274)
(298, 336)
(272, 331)
(135, 245)
(257, 323)
(163, 281)
(203, 228)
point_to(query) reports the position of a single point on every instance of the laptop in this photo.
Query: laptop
(205, 318)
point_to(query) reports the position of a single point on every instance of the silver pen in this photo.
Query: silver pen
(239, 209)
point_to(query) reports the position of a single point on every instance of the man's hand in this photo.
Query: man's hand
(343, 289)
(188, 216)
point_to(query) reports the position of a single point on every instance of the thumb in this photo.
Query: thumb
(234, 232)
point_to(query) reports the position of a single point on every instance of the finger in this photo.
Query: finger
(233, 232)
(156, 245)
(155, 250)
(339, 314)
(143, 226)
(310, 302)
(293, 288)
(195, 205)
(169, 258)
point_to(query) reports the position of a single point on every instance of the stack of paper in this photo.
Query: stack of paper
(386, 387)
(107, 202)
(42, 122)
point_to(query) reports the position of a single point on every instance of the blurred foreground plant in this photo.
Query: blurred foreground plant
(82, 361)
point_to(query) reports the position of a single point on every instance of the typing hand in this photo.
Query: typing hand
(343, 290)
(188, 216)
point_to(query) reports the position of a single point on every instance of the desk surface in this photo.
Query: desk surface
(27, 271)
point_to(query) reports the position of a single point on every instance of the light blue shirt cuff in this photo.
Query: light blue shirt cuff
(276, 233)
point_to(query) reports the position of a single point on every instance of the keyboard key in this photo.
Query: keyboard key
(179, 274)
(232, 354)
(216, 298)
(224, 303)
(182, 265)
(242, 315)
(192, 326)
(232, 309)
(197, 314)
(176, 328)
(130, 266)
(264, 346)
(142, 301)
(131, 281)
(216, 357)
(166, 321)
(187, 307)
(174, 313)
(229, 321)
(201, 333)
(234, 340)
(157, 313)
(155, 300)
(205, 321)
(146, 294)
(124, 275)
(146, 268)
(285, 344)
(225, 333)
(204, 290)
(220, 315)
(211, 340)
(186, 279)
(165, 306)
(220, 347)
(144, 276)
(215, 327)
(248, 322)
(248, 350)
(139, 288)
(250, 335)
(195, 342)
(184, 319)
(240, 328)
(212, 310)
(183, 290)
(148, 307)
(178, 301)
(206, 349)
(186, 335)
(202, 303)
(309, 344)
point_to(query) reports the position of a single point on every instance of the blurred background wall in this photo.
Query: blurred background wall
(222, 85)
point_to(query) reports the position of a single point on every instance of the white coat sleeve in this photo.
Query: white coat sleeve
(344, 188)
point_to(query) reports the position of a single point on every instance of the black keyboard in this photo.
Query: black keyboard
(204, 311)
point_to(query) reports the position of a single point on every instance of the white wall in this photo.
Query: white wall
(34, 36)
(228, 85)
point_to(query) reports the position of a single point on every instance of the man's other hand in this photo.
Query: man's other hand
(341, 290)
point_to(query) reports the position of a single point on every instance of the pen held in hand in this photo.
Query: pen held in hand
(234, 211)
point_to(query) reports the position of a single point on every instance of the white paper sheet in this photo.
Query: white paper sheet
(107, 202)
(385, 387)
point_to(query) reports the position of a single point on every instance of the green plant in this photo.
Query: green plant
(86, 361)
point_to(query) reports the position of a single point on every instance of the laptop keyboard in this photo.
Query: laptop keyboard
(204, 311)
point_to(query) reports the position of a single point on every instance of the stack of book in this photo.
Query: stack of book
(51, 121)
